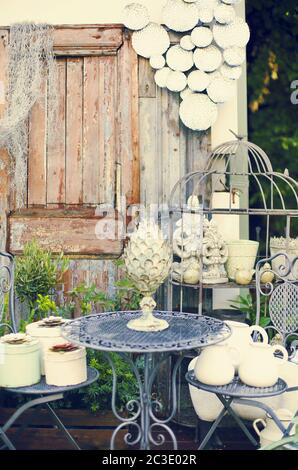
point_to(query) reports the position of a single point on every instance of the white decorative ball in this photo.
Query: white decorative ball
(221, 90)
(233, 34)
(202, 36)
(152, 40)
(179, 59)
(208, 59)
(198, 80)
(180, 16)
(197, 112)
(224, 14)
(176, 81)
(135, 16)
(157, 61)
(234, 73)
(206, 15)
(161, 76)
(186, 43)
(234, 55)
(186, 92)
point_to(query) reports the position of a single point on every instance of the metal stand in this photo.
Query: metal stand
(143, 410)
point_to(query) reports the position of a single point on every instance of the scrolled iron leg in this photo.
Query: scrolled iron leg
(143, 418)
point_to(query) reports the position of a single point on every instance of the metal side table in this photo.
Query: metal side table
(239, 393)
(108, 332)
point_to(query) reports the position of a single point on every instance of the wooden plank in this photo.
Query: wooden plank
(37, 154)
(4, 157)
(70, 235)
(87, 40)
(149, 165)
(56, 145)
(91, 157)
(147, 85)
(128, 123)
(107, 129)
(74, 123)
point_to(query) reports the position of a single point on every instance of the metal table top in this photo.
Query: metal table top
(109, 332)
(237, 388)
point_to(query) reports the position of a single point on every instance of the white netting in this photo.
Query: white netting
(30, 59)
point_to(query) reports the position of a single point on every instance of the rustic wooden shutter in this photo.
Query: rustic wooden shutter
(75, 169)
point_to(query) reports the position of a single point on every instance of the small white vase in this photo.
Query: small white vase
(214, 365)
(271, 432)
(47, 337)
(259, 367)
(65, 368)
(19, 364)
(242, 256)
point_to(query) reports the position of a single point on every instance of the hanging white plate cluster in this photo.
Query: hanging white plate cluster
(206, 64)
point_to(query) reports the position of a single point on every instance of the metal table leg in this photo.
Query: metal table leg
(142, 411)
(7, 442)
(61, 426)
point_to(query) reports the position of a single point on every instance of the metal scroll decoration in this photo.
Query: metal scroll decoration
(205, 65)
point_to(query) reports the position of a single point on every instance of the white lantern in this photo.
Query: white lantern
(179, 59)
(208, 59)
(197, 112)
(152, 40)
(202, 36)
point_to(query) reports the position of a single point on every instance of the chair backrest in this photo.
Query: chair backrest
(7, 289)
(282, 295)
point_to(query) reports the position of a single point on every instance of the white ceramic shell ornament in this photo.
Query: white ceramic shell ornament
(179, 59)
(135, 16)
(198, 112)
(198, 80)
(176, 81)
(221, 90)
(208, 59)
(202, 36)
(157, 62)
(161, 77)
(150, 41)
(180, 16)
(148, 258)
(186, 43)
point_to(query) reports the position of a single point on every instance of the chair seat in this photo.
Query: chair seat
(237, 388)
(42, 388)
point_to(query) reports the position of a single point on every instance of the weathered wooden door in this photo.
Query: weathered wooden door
(92, 157)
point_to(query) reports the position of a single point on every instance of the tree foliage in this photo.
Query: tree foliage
(272, 67)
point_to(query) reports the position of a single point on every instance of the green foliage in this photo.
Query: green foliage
(272, 56)
(37, 272)
(248, 305)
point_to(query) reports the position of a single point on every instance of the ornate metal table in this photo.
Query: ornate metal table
(108, 332)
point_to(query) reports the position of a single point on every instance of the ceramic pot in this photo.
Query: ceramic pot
(207, 406)
(65, 368)
(241, 338)
(290, 247)
(47, 336)
(242, 256)
(19, 364)
(259, 367)
(215, 365)
(271, 432)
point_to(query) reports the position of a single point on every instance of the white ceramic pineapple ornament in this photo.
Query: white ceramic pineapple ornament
(148, 258)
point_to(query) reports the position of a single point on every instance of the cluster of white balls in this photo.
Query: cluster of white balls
(205, 65)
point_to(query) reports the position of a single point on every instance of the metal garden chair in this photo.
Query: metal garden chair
(283, 311)
(40, 393)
